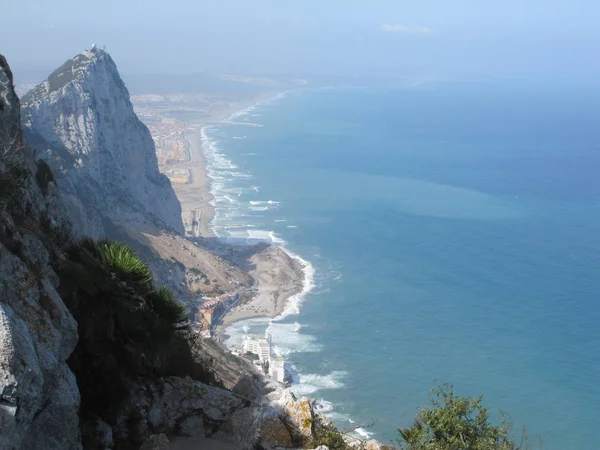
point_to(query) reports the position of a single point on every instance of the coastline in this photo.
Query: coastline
(196, 197)
(281, 277)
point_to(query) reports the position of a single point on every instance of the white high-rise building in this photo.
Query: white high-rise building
(260, 347)
(276, 368)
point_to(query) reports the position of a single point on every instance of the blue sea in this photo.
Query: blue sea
(450, 233)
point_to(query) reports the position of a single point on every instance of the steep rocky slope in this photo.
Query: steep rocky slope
(82, 122)
(39, 396)
(38, 391)
(82, 117)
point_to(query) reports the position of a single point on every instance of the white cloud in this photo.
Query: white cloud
(405, 29)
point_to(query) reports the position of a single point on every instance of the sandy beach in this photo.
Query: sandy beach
(195, 197)
(277, 277)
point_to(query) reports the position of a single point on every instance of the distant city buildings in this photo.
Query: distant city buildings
(213, 309)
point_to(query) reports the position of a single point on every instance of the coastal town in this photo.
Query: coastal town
(259, 351)
(180, 158)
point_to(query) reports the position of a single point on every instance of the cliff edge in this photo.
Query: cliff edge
(82, 119)
(38, 391)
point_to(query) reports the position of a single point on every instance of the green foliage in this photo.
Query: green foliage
(127, 329)
(118, 258)
(325, 433)
(456, 423)
(331, 438)
(165, 306)
(43, 175)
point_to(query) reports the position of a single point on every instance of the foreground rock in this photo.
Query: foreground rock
(39, 399)
(184, 407)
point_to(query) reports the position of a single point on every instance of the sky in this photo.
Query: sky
(438, 38)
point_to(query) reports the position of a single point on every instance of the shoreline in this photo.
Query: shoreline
(271, 297)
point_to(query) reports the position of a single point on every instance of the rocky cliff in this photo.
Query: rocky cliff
(38, 392)
(82, 120)
(39, 396)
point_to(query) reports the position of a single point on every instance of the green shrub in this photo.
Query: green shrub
(456, 423)
(331, 438)
(127, 329)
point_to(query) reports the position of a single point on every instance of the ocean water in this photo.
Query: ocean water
(451, 233)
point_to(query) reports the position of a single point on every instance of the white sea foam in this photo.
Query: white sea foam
(308, 284)
(324, 407)
(364, 434)
(265, 236)
(288, 338)
(263, 202)
(308, 384)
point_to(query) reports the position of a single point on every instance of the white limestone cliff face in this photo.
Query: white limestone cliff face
(39, 399)
(81, 117)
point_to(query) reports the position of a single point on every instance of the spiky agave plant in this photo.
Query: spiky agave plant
(124, 324)
(168, 325)
(123, 262)
(165, 306)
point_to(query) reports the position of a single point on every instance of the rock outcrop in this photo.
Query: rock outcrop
(82, 120)
(39, 399)
(185, 407)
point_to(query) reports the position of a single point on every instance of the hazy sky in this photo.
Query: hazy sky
(445, 38)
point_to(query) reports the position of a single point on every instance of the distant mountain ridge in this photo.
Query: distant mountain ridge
(82, 119)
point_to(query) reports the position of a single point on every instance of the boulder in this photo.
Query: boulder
(274, 434)
(174, 405)
(39, 398)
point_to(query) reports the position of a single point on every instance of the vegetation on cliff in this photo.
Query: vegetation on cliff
(127, 328)
(457, 423)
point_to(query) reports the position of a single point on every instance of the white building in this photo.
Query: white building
(276, 368)
(260, 347)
